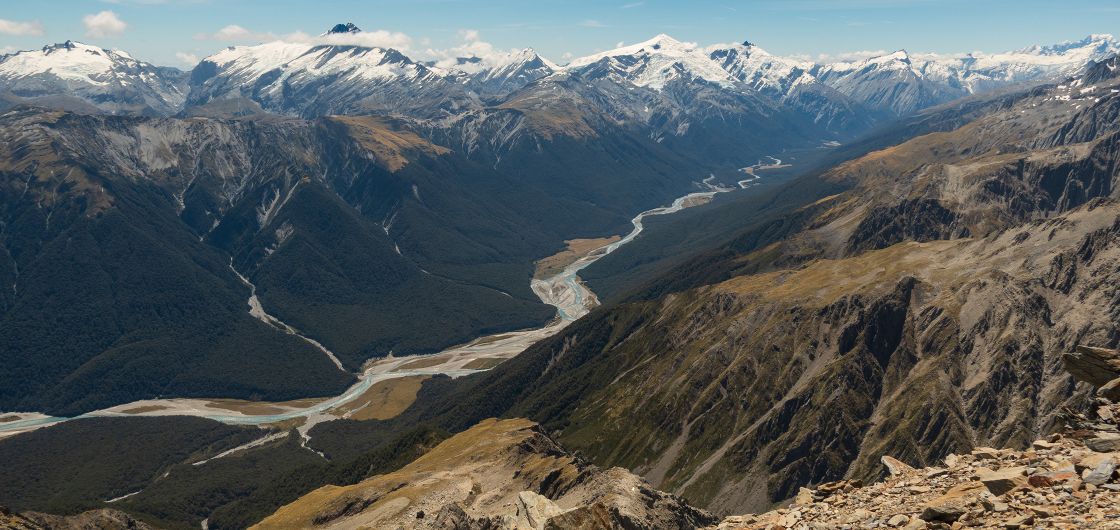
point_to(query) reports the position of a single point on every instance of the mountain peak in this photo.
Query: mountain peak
(659, 41)
(898, 56)
(68, 45)
(348, 27)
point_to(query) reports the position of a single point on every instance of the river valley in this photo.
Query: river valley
(563, 290)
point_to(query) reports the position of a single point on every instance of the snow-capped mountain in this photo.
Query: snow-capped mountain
(672, 92)
(903, 83)
(760, 70)
(660, 81)
(789, 82)
(892, 83)
(654, 63)
(502, 74)
(315, 79)
(81, 77)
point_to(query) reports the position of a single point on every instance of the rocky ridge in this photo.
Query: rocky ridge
(499, 474)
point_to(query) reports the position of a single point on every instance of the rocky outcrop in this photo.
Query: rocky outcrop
(500, 474)
(1099, 367)
(1063, 481)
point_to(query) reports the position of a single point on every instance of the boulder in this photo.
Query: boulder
(1020, 522)
(1004, 480)
(954, 503)
(985, 453)
(1104, 442)
(534, 510)
(593, 517)
(895, 466)
(1110, 390)
(1043, 445)
(1099, 467)
(1096, 366)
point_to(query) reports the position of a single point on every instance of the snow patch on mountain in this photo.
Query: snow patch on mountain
(108, 79)
(655, 63)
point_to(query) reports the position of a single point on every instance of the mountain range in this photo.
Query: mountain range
(332, 76)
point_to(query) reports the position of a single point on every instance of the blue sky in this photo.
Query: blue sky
(173, 32)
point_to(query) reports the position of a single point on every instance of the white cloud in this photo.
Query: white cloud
(470, 45)
(379, 38)
(12, 27)
(235, 33)
(850, 56)
(7, 49)
(592, 23)
(104, 24)
(632, 5)
(189, 59)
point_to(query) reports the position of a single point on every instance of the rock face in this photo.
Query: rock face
(499, 474)
(1058, 483)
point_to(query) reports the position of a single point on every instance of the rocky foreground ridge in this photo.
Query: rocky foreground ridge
(1067, 480)
(89, 520)
(499, 474)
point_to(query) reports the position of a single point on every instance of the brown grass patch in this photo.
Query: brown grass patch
(418, 364)
(143, 409)
(384, 400)
(262, 408)
(388, 144)
(484, 363)
(577, 248)
(827, 280)
(287, 425)
(549, 117)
